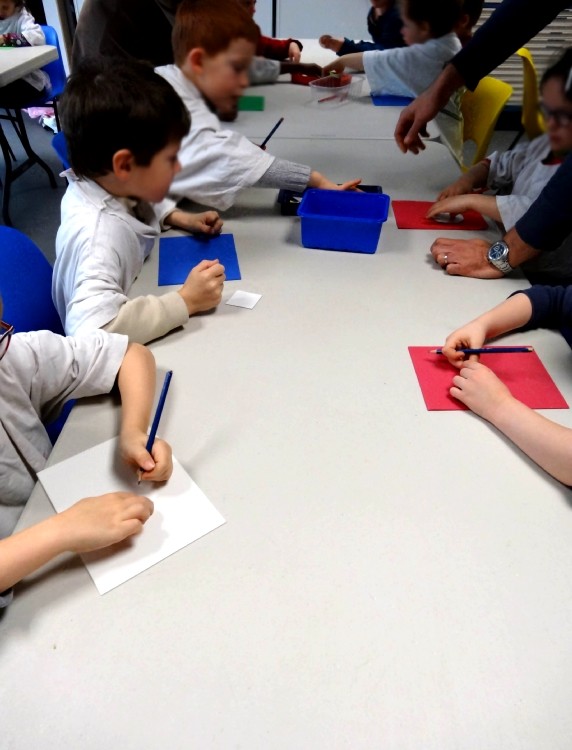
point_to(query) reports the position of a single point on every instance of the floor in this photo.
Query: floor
(35, 206)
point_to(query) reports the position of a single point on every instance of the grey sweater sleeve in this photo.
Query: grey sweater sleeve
(285, 174)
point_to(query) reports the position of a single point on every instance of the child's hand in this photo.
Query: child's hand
(203, 288)
(97, 522)
(338, 66)
(478, 387)
(317, 180)
(157, 466)
(456, 204)
(471, 336)
(461, 186)
(207, 222)
(294, 52)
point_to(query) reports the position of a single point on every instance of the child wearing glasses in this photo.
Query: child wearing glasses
(39, 372)
(518, 176)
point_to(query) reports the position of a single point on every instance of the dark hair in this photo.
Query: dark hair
(473, 9)
(561, 69)
(441, 15)
(118, 104)
(212, 26)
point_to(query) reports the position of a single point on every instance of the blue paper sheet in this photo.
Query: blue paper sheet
(390, 100)
(178, 255)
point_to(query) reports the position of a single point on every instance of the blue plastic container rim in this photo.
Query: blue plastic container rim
(340, 205)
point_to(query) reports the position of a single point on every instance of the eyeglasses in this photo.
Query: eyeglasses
(561, 118)
(6, 331)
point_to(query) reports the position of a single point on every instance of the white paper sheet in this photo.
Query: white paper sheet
(243, 299)
(182, 512)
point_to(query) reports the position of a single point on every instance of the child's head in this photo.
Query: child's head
(556, 102)
(423, 20)
(213, 44)
(9, 7)
(470, 13)
(120, 106)
(249, 5)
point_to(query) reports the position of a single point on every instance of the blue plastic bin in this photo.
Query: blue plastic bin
(342, 220)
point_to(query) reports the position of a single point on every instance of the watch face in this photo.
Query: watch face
(497, 251)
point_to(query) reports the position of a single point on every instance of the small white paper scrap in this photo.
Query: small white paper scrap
(182, 512)
(243, 299)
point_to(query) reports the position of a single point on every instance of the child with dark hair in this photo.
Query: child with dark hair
(384, 25)
(19, 29)
(123, 125)
(519, 175)
(213, 45)
(407, 71)
(470, 14)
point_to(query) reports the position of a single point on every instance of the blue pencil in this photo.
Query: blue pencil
(269, 136)
(158, 412)
(492, 350)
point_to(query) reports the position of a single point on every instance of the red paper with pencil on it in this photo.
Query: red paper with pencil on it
(522, 372)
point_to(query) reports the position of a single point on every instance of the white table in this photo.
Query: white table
(16, 62)
(387, 578)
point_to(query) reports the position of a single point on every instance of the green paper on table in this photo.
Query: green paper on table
(251, 104)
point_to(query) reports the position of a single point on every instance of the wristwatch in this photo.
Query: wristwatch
(497, 256)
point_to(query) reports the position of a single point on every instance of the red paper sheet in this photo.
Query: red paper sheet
(524, 375)
(411, 215)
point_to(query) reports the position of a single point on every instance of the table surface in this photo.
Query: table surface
(16, 62)
(388, 577)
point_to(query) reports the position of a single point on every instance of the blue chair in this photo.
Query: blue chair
(58, 78)
(26, 291)
(61, 148)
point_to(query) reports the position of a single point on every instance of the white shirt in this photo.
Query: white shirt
(216, 163)
(100, 250)
(407, 71)
(38, 374)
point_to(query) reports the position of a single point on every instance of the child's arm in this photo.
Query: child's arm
(513, 313)
(207, 222)
(90, 524)
(318, 180)
(353, 61)
(484, 204)
(136, 381)
(474, 179)
(545, 442)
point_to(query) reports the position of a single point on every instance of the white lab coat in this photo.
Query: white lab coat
(407, 71)
(216, 163)
(100, 250)
(38, 374)
(22, 22)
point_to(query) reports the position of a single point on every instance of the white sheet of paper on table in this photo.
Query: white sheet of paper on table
(182, 512)
(243, 299)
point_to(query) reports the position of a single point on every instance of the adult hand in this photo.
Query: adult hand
(464, 258)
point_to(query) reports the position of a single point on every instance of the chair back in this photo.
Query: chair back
(481, 109)
(26, 284)
(55, 69)
(532, 121)
(61, 148)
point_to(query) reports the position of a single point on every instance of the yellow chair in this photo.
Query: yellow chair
(481, 109)
(531, 121)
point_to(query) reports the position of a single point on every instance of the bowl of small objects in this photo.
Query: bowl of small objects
(331, 91)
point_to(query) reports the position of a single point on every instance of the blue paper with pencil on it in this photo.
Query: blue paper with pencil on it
(179, 255)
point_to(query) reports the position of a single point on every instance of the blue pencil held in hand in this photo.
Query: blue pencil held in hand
(158, 412)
